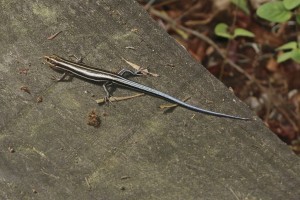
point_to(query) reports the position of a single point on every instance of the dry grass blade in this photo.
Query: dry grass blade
(112, 99)
(139, 68)
(51, 37)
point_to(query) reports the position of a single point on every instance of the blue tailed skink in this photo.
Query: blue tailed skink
(105, 77)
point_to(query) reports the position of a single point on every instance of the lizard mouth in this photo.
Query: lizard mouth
(49, 60)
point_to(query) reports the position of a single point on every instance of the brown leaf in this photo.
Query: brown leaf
(272, 65)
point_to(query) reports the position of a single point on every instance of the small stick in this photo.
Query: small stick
(51, 37)
(112, 99)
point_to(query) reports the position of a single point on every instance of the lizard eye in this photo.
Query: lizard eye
(47, 59)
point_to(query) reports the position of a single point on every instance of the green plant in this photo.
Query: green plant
(242, 4)
(292, 52)
(278, 11)
(283, 11)
(221, 30)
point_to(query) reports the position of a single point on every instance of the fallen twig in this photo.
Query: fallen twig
(51, 37)
(112, 99)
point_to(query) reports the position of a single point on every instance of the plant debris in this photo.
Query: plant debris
(11, 150)
(112, 99)
(93, 119)
(51, 37)
(140, 69)
(39, 99)
(25, 89)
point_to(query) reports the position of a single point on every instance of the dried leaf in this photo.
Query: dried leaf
(25, 89)
(272, 65)
(139, 68)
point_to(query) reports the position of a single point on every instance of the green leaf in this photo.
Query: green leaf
(291, 4)
(274, 12)
(296, 55)
(298, 18)
(242, 32)
(290, 45)
(285, 56)
(222, 30)
(242, 4)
